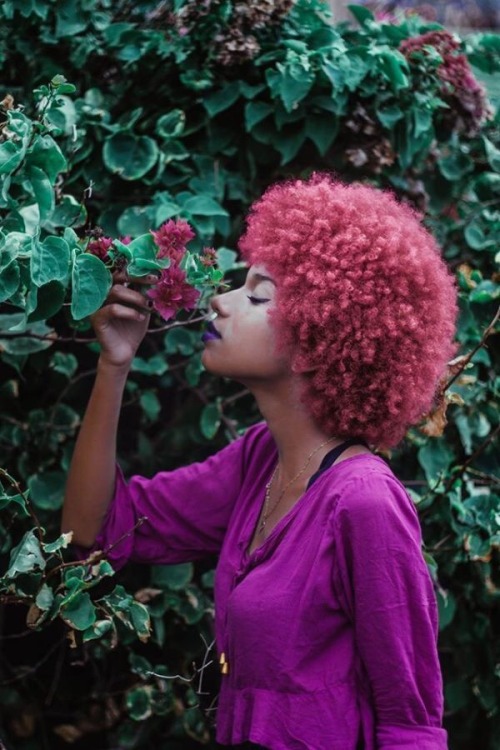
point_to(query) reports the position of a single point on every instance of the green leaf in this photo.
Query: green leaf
(203, 205)
(141, 621)
(173, 577)
(492, 154)
(150, 404)
(210, 420)
(447, 607)
(46, 154)
(97, 630)
(42, 190)
(7, 502)
(47, 489)
(67, 213)
(179, 340)
(486, 291)
(394, 66)
(130, 156)
(91, 283)
(9, 280)
(11, 156)
(255, 112)
(322, 131)
(134, 221)
(389, 115)
(79, 613)
(475, 236)
(50, 260)
(435, 457)
(62, 542)
(227, 259)
(289, 145)
(48, 301)
(361, 14)
(44, 598)
(455, 165)
(66, 364)
(27, 556)
(140, 702)
(221, 100)
(23, 345)
(291, 83)
(171, 125)
(155, 365)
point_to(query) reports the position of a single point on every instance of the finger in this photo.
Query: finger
(122, 277)
(125, 296)
(115, 310)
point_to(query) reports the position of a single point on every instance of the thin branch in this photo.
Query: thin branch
(34, 668)
(480, 449)
(97, 555)
(54, 337)
(17, 488)
(488, 331)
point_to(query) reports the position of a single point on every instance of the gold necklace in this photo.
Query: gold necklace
(266, 513)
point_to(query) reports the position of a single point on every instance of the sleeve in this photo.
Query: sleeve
(176, 516)
(385, 588)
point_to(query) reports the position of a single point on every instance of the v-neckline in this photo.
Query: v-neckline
(248, 555)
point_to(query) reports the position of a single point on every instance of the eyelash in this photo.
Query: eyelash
(256, 300)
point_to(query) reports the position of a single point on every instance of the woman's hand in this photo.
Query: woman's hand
(121, 323)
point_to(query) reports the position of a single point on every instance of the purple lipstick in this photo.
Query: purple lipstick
(210, 333)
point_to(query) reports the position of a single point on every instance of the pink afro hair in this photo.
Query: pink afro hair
(365, 304)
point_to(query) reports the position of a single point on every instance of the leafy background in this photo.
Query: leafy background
(189, 110)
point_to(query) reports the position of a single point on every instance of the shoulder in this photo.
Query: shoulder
(369, 499)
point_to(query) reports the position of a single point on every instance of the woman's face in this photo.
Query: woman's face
(246, 349)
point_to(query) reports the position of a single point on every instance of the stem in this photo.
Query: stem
(16, 486)
(97, 555)
(489, 330)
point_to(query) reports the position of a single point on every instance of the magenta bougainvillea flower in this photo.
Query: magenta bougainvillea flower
(460, 88)
(172, 293)
(172, 238)
(100, 247)
(209, 256)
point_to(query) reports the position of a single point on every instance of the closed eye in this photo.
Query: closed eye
(257, 300)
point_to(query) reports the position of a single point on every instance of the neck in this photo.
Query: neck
(294, 431)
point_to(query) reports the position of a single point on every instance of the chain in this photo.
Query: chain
(266, 513)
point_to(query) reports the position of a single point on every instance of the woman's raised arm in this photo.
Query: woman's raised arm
(120, 326)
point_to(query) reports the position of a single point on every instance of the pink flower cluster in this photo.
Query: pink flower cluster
(100, 247)
(172, 238)
(460, 88)
(172, 292)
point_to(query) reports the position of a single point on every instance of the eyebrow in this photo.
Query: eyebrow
(260, 277)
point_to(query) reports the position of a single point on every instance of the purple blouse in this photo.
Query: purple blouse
(329, 628)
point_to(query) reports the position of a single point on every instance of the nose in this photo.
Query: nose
(218, 304)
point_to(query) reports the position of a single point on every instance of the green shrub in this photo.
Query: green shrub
(188, 110)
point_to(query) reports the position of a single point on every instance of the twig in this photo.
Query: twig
(33, 669)
(53, 336)
(468, 358)
(97, 555)
(16, 486)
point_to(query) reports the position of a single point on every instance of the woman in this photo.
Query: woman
(325, 612)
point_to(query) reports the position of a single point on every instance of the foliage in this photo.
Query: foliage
(186, 111)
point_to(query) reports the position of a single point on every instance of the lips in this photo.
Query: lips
(211, 333)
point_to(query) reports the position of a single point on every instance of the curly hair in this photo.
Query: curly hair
(365, 304)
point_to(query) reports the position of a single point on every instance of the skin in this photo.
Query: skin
(246, 352)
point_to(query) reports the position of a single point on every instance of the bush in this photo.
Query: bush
(181, 110)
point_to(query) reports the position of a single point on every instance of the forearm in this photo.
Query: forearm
(91, 478)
